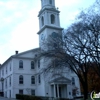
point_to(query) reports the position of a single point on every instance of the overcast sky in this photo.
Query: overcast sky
(19, 23)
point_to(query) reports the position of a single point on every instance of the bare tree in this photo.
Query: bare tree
(69, 49)
(91, 20)
(76, 40)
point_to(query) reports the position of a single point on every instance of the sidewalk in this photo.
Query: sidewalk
(3, 98)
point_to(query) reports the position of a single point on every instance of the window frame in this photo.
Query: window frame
(21, 64)
(21, 79)
(32, 79)
(73, 81)
(33, 92)
(32, 65)
(52, 19)
(21, 91)
(42, 20)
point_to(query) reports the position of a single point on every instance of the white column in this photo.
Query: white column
(58, 90)
(57, 20)
(54, 91)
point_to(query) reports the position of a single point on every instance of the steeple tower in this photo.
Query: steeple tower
(48, 20)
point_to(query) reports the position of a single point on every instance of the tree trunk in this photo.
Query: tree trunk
(85, 93)
(85, 86)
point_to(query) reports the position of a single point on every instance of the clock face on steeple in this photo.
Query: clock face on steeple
(54, 35)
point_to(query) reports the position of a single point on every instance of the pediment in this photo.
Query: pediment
(28, 54)
(63, 80)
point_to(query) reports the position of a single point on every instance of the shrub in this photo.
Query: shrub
(29, 97)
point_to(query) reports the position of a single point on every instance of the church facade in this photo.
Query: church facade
(22, 73)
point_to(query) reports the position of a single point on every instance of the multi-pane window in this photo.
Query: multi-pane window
(32, 79)
(20, 79)
(39, 79)
(38, 63)
(20, 64)
(73, 81)
(9, 81)
(20, 91)
(32, 64)
(33, 92)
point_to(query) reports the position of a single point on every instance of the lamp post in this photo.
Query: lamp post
(2, 80)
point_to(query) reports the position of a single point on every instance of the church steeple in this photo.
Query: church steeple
(48, 20)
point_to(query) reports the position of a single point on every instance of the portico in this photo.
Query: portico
(59, 87)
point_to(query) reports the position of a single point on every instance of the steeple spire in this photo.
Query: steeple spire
(47, 4)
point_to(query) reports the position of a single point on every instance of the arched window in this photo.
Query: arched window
(32, 79)
(50, 1)
(32, 64)
(21, 79)
(73, 81)
(52, 19)
(20, 64)
(42, 20)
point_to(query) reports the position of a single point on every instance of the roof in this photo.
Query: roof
(33, 50)
(16, 55)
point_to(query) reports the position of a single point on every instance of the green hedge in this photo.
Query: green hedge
(29, 97)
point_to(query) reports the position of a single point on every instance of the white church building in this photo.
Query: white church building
(18, 74)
